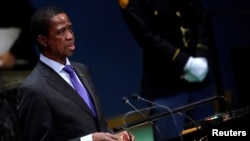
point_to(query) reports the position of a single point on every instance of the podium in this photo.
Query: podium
(234, 127)
(230, 124)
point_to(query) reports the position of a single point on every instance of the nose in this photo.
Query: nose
(70, 35)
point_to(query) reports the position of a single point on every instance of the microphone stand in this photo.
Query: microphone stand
(126, 101)
(182, 108)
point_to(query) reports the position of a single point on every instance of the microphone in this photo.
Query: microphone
(137, 97)
(126, 101)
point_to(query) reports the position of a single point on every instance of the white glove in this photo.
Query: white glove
(189, 77)
(196, 69)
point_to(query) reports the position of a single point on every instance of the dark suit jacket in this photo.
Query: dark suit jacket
(49, 109)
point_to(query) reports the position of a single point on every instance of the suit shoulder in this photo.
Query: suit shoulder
(73, 63)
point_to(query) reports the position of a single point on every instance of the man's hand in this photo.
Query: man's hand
(126, 136)
(121, 136)
(7, 61)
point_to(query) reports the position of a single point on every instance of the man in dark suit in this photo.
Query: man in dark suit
(175, 36)
(49, 107)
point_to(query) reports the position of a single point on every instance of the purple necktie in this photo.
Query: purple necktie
(78, 87)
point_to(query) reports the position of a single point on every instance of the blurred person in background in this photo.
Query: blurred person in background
(17, 51)
(175, 36)
(17, 57)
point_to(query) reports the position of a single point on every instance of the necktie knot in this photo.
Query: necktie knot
(68, 69)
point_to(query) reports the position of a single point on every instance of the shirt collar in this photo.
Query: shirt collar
(53, 64)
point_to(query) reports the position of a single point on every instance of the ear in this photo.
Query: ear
(41, 40)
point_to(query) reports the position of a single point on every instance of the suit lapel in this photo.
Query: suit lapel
(82, 76)
(57, 82)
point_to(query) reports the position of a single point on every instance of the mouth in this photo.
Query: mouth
(71, 46)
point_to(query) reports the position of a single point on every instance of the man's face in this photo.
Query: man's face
(60, 39)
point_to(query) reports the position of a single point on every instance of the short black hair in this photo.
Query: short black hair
(40, 21)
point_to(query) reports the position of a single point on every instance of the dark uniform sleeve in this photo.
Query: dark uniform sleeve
(140, 19)
(137, 17)
(205, 34)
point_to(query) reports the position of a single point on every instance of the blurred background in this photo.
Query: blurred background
(105, 44)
